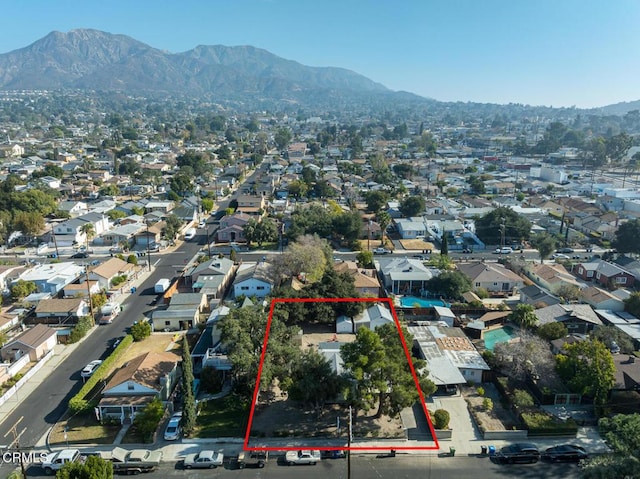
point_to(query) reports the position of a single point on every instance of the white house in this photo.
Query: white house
(253, 280)
(52, 277)
(373, 317)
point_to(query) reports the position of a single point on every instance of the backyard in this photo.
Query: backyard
(495, 418)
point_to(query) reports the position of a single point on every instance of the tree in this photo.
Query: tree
(489, 226)
(610, 334)
(282, 138)
(522, 359)
(588, 369)
(132, 259)
(249, 230)
(365, 258)
(93, 468)
(146, 421)
(450, 284)
(568, 292)
(21, 289)
(172, 226)
(89, 232)
(551, 331)
(298, 189)
(376, 200)
(308, 254)
(444, 246)
(313, 381)
(626, 239)
(141, 330)
(441, 419)
(545, 244)
(524, 316)
(266, 231)
(412, 206)
(622, 434)
(348, 225)
(384, 220)
(207, 205)
(188, 421)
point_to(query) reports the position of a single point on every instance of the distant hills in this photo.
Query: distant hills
(96, 60)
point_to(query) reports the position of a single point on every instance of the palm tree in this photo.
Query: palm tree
(524, 316)
(89, 232)
(384, 220)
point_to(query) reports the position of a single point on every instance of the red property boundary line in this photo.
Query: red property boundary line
(343, 448)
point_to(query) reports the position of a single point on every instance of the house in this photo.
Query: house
(551, 277)
(184, 312)
(253, 280)
(404, 275)
(52, 277)
(578, 318)
(491, 276)
(104, 273)
(149, 235)
(537, 297)
(69, 232)
(600, 299)
(74, 208)
(211, 277)
(123, 234)
(252, 205)
(373, 317)
(625, 322)
(450, 356)
(137, 383)
(99, 221)
(232, 227)
(35, 342)
(607, 274)
(411, 228)
(81, 290)
(364, 280)
(59, 311)
(161, 206)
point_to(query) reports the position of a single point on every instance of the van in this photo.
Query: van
(109, 312)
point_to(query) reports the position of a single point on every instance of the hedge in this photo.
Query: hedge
(78, 403)
(544, 424)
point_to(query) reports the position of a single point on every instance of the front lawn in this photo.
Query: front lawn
(83, 429)
(224, 417)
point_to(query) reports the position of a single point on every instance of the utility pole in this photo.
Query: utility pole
(208, 241)
(55, 242)
(86, 272)
(350, 432)
(148, 248)
(16, 442)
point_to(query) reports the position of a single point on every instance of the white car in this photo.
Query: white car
(90, 368)
(202, 224)
(203, 460)
(505, 250)
(381, 251)
(172, 432)
(559, 256)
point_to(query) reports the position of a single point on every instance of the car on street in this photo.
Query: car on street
(467, 250)
(90, 368)
(560, 256)
(504, 250)
(202, 224)
(302, 457)
(116, 342)
(564, 250)
(519, 452)
(172, 431)
(80, 255)
(381, 251)
(256, 459)
(203, 460)
(565, 453)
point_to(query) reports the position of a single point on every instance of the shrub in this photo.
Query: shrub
(522, 399)
(81, 329)
(141, 330)
(147, 420)
(543, 423)
(441, 417)
(487, 404)
(78, 403)
(482, 293)
(118, 280)
(132, 259)
(211, 380)
(480, 391)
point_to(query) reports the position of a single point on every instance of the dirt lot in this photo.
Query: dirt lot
(418, 244)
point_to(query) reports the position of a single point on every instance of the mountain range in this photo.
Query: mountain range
(96, 60)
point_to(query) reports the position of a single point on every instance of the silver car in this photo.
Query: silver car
(203, 460)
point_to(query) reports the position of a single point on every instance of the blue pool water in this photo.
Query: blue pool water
(499, 335)
(411, 301)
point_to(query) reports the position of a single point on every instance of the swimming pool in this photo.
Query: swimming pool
(498, 335)
(413, 302)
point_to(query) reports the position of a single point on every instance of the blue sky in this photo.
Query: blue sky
(544, 52)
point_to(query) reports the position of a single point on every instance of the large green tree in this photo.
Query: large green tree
(545, 244)
(376, 200)
(524, 316)
(588, 369)
(412, 206)
(516, 227)
(626, 239)
(93, 468)
(449, 284)
(188, 421)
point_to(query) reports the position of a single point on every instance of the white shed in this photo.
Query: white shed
(344, 325)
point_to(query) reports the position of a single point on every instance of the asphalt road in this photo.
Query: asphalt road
(371, 467)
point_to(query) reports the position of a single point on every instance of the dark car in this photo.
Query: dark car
(467, 250)
(80, 255)
(565, 453)
(252, 459)
(519, 452)
(564, 250)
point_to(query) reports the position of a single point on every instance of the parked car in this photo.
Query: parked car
(172, 431)
(519, 452)
(564, 250)
(116, 342)
(565, 453)
(202, 224)
(116, 249)
(80, 255)
(467, 250)
(90, 368)
(505, 250)
(560, 256)
(203, 460)
(302, 457)
(381, 251)
(252, 459)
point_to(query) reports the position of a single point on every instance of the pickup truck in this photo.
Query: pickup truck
(302, 457)
(132, 462)
(381, 251)
(56, 460)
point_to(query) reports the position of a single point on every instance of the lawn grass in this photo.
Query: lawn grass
(225, 417)
(132, 436)
(83, 429)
